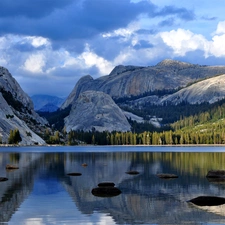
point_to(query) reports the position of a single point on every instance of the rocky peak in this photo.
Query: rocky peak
(122, 69)
(82, 84)
(96, 110)
(169, 63)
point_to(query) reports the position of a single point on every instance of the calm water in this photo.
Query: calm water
(40, 191)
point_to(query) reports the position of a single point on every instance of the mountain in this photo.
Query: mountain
(17, 112)
(46, 103)
(49, 107)
(130, 81)
(95, 110)
(210, 90)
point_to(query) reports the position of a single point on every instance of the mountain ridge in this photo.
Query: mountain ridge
(127, 81)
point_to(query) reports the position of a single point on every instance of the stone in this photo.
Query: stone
(74, 174)
(132, 172)
(216, 174)
(3, 179)
(106, 191)
(106, 184)
(11, 167)
(166, 175)
(208, 201)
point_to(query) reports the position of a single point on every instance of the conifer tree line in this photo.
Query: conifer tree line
(202, 128)
(14, 137)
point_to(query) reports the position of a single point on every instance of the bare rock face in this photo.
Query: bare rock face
(125, 81)
(209, 90)
(17, 112)
(96, 110)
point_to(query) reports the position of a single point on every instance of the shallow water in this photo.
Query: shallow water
(41, 192)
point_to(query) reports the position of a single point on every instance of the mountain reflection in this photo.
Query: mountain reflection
(144, 199)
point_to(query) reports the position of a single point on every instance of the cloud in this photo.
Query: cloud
(68, 19)
(182, 41)
(24, 8)
(168, 22)
(220, 28)
(34, 63)
(181, 13)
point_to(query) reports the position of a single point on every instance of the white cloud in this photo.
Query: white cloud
(34, 63)
(183, 41)
(217, 47)
(220, 28)
(38, 41)
(91, 59)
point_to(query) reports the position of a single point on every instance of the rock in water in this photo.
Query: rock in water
(105, 191)
(208, 201)
(216, 174)
(166, 175)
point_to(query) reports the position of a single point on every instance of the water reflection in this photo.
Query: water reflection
(42, 192)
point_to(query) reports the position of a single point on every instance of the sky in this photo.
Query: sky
(48, 45)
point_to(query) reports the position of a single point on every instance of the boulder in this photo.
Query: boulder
(74, 174)
(216, 174)
(3, 179)
(11, 167)
(106, 191)
(166, 175)
(106, 184)
(207, 201)
(132, 172)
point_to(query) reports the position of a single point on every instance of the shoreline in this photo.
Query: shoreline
(169, 145)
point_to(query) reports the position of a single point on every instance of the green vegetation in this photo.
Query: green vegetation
(183, 124)
(56, 119)
(14, 137)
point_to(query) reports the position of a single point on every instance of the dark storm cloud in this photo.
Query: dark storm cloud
(181, 13)
(57, 20)
(75, 19)
(30, 9)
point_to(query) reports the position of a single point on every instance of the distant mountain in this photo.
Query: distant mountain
(17, 112)
(130, 81)
(46, 103)
(48, 108)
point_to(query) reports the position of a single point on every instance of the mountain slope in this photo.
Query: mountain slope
(96, 110)
(210, 90)
(126, 81)
(17, 111)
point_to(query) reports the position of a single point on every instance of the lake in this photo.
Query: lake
(41, 191)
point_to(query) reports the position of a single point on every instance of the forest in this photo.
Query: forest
(197, 124)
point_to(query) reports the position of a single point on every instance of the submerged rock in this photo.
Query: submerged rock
(11, 167)
(106, 184)
(106, 191)
(132, 172)
(207, 201)
(166, 175)
(3, 179)
(74, 174)
(216, 174)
